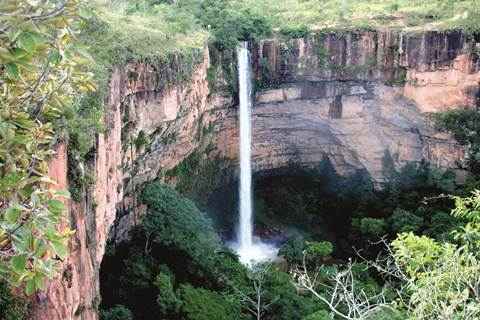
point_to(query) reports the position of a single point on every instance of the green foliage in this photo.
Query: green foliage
(440, 276)
(465, 127)
(319, 315)
(43, 70)
(158, 34)
(442, 225)
(167, 299)
(387, 313)
(141, 140)
(463, 123)
(416, 253)
(175, 221)
(12, 307)
(404, 221)
(292, 250)
(288, 304)
(118, 312)
(197, 175)
(175, 245)
(231, 21)
(293, 32)
(373, 227)
(318, 250)
(202, 304)
(341, 14)
(139, 274)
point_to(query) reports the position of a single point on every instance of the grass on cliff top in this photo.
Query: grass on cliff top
(117, 36)
(404, 14)
(157, 27)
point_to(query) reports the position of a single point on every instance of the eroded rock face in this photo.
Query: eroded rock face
(357, 99)
(360, 100)
(74, 294)
(370, 129)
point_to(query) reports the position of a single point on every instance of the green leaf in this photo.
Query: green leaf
(54, 57)
(18, 263)
(26, 41)
(39, 281)
(19, 54)
(30, 287)
(63, 193)
(12, 214)
(60, 249)
(12, 70)
(55, 206)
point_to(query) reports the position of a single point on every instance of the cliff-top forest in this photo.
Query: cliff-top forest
(348, 249)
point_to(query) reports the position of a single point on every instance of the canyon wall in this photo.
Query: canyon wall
(358, 99)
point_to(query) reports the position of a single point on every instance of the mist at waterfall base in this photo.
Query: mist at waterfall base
(250, 249)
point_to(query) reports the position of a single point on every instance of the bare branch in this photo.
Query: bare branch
(342, 296)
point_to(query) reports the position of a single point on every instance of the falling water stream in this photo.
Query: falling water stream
(245, 229)
(250, 249)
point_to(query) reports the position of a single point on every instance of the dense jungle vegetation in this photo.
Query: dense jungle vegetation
(408, 252)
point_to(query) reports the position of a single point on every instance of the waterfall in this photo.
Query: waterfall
(245, 229)
(249, 250)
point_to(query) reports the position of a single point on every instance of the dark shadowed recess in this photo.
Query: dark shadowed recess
(319, 204)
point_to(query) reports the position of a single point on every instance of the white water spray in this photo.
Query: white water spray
(249, 250)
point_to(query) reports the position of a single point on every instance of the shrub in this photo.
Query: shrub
(42, 71)
(202, 304)
(318, 250)
(176, 226)
(118, 312)
(174, 221)
(465, 126)
(441, 226)
(292, 250)
(319, 315)
(166, 299)
(373, 227)
(141, 140)
(288, 304)
(404, 221)
(440, 275)
(230, 24)
(388, 314)
(297, 31)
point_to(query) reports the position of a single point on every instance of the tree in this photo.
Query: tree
(292, 250)
(257, 301)
(373, 227)
(443, 279)
(118, 312)
(339, 291)
(318, 251)
(41, 70)
(166, 299)
(404, 221)
(438, 280)
(203, 304)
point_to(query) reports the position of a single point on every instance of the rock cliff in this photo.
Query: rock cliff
(354, 98)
